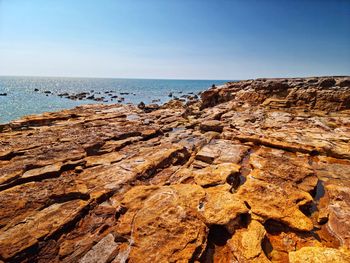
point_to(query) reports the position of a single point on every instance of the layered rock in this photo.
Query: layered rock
(254, 171)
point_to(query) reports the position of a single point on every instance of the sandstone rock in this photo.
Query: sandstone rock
(246, 244)
(334, 197)
(211, 125)
(277, 202)
(319, 255)
(255, 170)
(44, 224)
(103, 251)
(283, 167)
(216, 174)
(104, 159)
(166, 227)
(222, 208)
(221, 151)
(46, 170)
(35, 196)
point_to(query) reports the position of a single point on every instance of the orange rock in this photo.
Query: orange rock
(319, 255)
(246, 244)
(254, 171)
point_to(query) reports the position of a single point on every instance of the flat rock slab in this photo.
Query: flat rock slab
(211, 125)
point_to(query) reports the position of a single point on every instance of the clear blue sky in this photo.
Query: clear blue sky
(196, 39)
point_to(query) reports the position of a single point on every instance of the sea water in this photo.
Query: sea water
(22, 99)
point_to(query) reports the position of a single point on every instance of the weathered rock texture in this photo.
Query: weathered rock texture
(254, 171)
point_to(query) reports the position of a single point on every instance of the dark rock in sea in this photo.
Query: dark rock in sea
(114, 97)
(72, 97)
(3, 94)
(154, 101)
(63, 94)
(47, 92)
(124, 93)
(141, 105)
(36, 89)
(90, 97)
(170, 94)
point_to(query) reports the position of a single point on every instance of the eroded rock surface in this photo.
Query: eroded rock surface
(253, 171)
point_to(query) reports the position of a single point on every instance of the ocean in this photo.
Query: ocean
(33, 95)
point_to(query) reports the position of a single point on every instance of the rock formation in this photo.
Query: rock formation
(253, 171)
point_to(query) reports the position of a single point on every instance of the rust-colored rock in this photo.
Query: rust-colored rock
(254, 171)
(246, 244)
(319, 255)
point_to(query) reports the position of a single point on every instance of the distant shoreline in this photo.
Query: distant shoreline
(34, 95)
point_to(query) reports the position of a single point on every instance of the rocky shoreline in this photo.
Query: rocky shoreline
(112, 95)
(253, 171)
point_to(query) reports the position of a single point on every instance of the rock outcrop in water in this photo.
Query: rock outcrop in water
(254, 171)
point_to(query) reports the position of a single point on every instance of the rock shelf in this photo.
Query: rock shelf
(253, 171)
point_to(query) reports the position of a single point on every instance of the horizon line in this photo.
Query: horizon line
(162, 78)
(84, 77)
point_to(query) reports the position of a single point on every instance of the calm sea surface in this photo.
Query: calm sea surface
(22, 99)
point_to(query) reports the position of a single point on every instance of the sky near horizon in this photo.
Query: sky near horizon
(179, 39)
